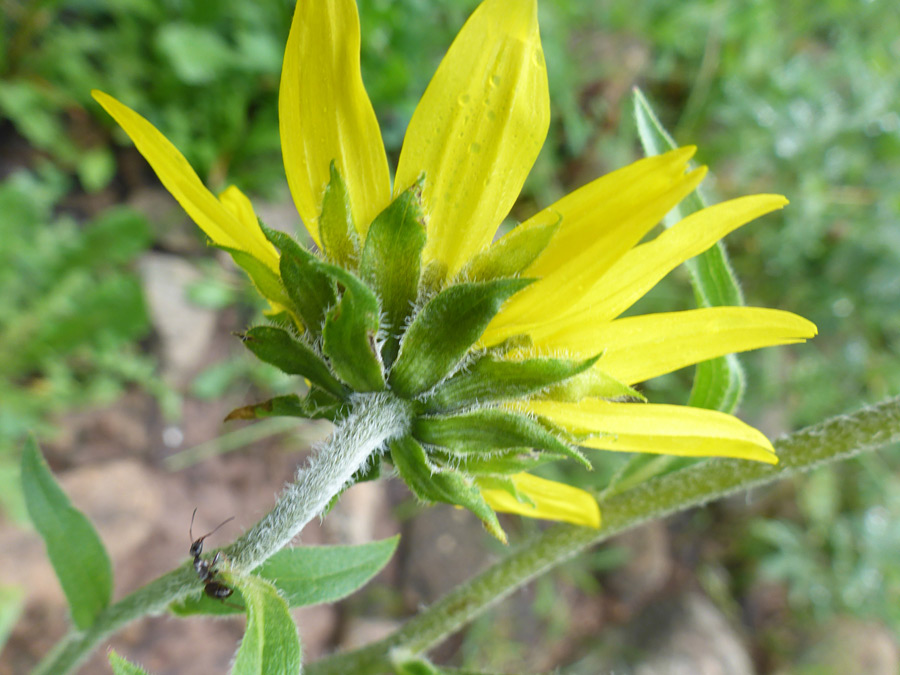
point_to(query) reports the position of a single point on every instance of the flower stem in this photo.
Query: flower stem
(835, 439)
(376, 418)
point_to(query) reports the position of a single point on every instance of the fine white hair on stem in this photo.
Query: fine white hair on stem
(376, 418)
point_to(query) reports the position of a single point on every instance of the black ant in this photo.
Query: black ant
(205, 569)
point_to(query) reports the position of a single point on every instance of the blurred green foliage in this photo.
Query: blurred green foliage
(797, 98)
(71, 310)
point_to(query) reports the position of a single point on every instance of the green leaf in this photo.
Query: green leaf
(311, 291)
(313, 575)
(264, 279)
(308, 575)
(490, 379)
(720, 385)
(642, 467)
(350, 333)
(317, 404)
(197, 54)
(591, 383)
(512, 254)
(73, 546)
(431, 485)
(278, 347)
(271, 645)
(405, 663)
(500, 462)
(96, 168)
(490, 429)
(445, 329)
(12, 601)
(339, 239)
(391, 263)
(122, 667)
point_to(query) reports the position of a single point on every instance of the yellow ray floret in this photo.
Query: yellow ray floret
(655, 428)
(478, 129)
(599, 224)
(551, 501)
(641, 268)
(325, 115)
(640, 347)
(218, 222)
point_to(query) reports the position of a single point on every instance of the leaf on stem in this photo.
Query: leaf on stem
(122, 667)
(12, 601)
(270, 645)
(73, 546)
(308, 575)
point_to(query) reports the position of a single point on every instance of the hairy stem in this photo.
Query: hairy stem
(376, 418)
(838, 438)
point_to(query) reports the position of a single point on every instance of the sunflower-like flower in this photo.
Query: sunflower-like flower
(509, 353)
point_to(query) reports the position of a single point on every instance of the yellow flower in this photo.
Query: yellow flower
(474, 137)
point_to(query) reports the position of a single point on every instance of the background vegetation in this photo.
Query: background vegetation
(799, 99)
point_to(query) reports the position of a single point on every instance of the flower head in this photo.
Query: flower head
(508, 353)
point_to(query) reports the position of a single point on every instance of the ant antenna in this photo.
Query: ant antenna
(197, 543)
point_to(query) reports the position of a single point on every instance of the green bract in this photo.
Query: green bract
(364, 318)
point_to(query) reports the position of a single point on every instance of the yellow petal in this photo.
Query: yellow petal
(325, 115)
(218, 222)
(637, 348)
(478, 129)
(600, 223)
(662, 429)
(552, 501)
(240, 206)
(598, 214)
(641, 268)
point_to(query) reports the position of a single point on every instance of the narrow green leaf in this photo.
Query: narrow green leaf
(512, 254)
(642, 467)
(312, 575)
(391, 262)
(591, 383)
(339, 239)
(122, 667)
(270, 645)
(449, 487)
(311, 291)
(282, 350)
(307, 575)
(351, 331)
(500, 462)
(491, 379)
(405, 663)
(317, 404)
(73, 546)
(12, 601)
(445, 329)
(720, 385)
(264, 279)
(490, 429)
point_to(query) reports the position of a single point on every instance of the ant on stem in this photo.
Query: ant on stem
(205, 569)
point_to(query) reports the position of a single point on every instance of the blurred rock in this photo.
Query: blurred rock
(688, 635)
(185, 330)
